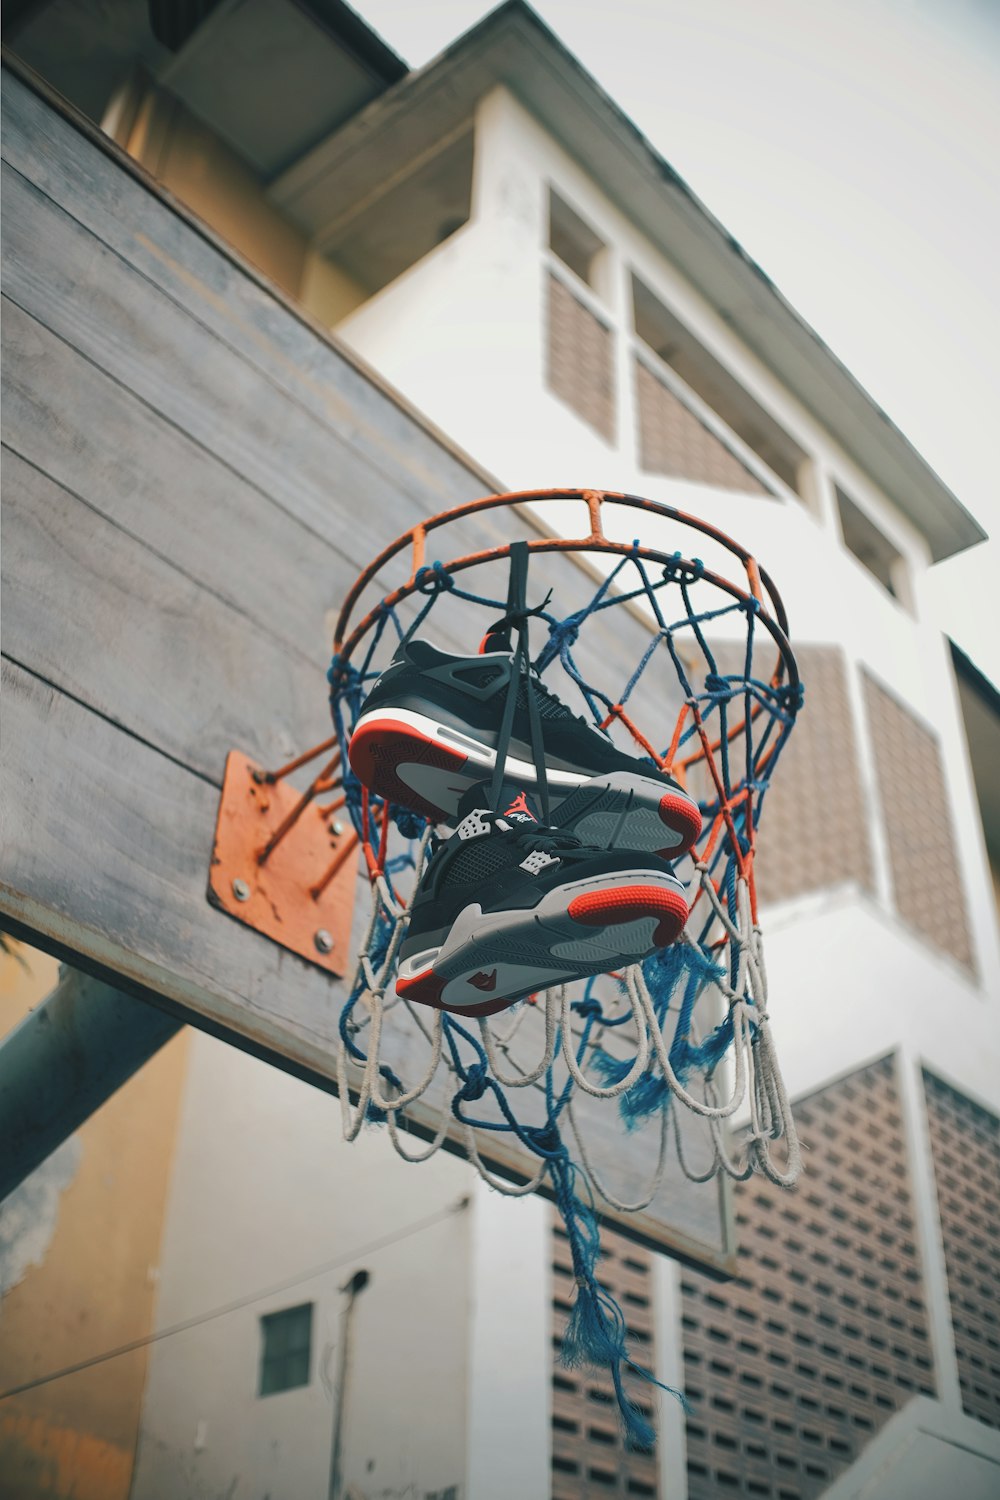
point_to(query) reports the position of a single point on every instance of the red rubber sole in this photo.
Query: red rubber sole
(376, 752)
(682, 816)
(609, 908)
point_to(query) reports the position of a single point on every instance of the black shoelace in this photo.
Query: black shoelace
(516, 618)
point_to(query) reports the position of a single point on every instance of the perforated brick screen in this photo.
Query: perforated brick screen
(813, 831)
(925, 872)
(965, 1146)
(672, 440)
(814, 825)
(581, 359)
(589, 1461)
(795, 1365)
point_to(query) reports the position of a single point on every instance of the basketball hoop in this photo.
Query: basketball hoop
(689, 1025)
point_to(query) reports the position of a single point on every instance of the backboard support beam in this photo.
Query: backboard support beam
(64, 1060)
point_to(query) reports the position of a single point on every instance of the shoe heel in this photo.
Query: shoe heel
(610, 907)
(377, 751)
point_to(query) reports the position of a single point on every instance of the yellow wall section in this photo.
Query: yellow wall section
(215, 183)
(328, 292)
(95, 1286)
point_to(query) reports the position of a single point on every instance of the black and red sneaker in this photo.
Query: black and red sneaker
(507, 907)
(431, 726)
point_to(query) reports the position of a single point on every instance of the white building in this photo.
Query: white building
(496, 240)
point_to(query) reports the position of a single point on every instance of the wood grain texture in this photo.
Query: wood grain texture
(104, 619)
(94, 437)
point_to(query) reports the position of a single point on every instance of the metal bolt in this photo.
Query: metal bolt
(323, 940)
(241, 890)
(338, 827)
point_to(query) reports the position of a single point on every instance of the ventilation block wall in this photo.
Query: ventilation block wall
(965, 1147)
(794, 1366)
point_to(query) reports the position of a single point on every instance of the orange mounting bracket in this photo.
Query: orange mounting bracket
(281, 862)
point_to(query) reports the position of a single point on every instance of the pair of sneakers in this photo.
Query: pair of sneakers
(509, 904)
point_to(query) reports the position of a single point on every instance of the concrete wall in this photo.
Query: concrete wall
(269, 1209)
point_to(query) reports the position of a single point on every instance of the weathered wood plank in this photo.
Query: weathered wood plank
(97, 614)
(111, 195)
(77, 288)
(205, 282)
(106, 849)
(94, 437)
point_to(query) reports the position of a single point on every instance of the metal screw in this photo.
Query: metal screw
(323, 940)
(338, 827)
(241, 890)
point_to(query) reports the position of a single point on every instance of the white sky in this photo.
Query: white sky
(851, 146)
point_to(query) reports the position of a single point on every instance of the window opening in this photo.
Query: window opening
(663, 332)
(286, 1346)
(573, 241)
(871, 548)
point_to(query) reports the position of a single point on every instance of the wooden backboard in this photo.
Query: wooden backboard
(194, 474)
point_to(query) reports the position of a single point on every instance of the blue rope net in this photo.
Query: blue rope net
(688, 1028)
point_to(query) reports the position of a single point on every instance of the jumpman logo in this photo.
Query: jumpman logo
(520, 805)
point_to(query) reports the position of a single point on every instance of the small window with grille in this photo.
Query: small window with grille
(286, 1346)
(580, 340)
(676, 434)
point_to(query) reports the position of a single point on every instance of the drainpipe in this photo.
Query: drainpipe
(351, 1289)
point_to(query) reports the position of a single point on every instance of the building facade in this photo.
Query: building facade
(492, 237)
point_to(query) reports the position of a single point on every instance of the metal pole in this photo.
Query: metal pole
(62, 1062)
(352, 1288)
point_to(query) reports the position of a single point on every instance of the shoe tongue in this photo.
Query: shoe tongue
(497, 638)
(514, 805)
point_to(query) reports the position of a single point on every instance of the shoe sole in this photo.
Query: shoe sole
(491, 959)
(414, 762)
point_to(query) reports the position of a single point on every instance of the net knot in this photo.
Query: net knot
(790, 698)
(433, 578)
(679, 570)
(565, 632)
(545, 1139)
(717, 688)
(352, 789)
(563, 636)
(590, 1006)
(342, 677)
(475, 1085)
(410, 824)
